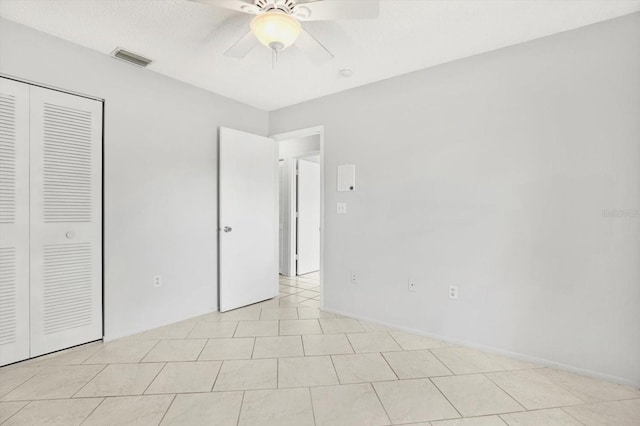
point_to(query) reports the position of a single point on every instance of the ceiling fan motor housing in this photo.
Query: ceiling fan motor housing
(284, 5)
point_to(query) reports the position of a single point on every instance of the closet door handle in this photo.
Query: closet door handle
(70, 235)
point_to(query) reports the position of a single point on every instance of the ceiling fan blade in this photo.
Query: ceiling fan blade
(243, 46)
(237, 5)
(316, 51)
(323, 10)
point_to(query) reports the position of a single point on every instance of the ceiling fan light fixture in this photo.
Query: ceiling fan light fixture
(275, 29)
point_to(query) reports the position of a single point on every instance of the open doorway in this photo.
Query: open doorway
(300, 217)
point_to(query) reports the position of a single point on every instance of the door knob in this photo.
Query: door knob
(227, 229)
(70, 235)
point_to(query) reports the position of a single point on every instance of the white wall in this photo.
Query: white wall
(289, 150)
(491, 173)
(160, 175)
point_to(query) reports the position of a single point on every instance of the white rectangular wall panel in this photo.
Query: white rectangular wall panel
(346, 178)
(14, 221)
(66, 220)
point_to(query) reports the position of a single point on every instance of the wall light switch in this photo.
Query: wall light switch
(453, 292)
(342, 208)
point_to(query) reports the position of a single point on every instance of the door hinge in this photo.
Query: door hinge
(297, 257)
(297, 214)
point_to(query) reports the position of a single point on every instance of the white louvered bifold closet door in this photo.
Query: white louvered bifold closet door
(66, 220)
(14, 221)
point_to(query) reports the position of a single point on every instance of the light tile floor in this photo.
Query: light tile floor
(285, 362)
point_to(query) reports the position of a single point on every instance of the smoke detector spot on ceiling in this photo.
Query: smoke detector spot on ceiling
(346, 72)
(132, 58)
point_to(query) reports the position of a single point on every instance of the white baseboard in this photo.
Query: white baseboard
(111, 337)
(493, 350)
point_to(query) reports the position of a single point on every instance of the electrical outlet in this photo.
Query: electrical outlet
(412, 286)
(453, 292)
(341, 208)
(354, 278)
(157, 281)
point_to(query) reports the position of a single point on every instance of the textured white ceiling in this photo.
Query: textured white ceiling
(186, 40)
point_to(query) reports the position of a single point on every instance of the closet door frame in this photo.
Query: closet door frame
(101, 187)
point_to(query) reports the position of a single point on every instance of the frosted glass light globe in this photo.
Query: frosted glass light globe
(276, 29)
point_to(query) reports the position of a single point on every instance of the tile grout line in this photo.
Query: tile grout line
(396, 340)
(168, 408)
(571, 415)
(387, 361)
(442, 362)
(302, 346)
(89, 381)
(22, 383)
(205, 345)
(148, 352)
(253, 347)
(380, 401)
(94, 409)
(206, 342)
(313, 411)
(192, 328)
(128, 395)
(505, 391)
(304, 352)
(241, 406)
(501, 419)
(21, 408)
(335, 370)
(350, 345)
(444, 396)
(215, 381)
(155, 377)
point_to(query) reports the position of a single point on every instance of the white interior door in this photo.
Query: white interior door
(248, 197)
(308, 242)
(14, 221)
(66, 220)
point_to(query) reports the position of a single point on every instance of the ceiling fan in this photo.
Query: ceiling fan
(277, 23)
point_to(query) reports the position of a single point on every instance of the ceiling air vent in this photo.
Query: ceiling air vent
(130, 57)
